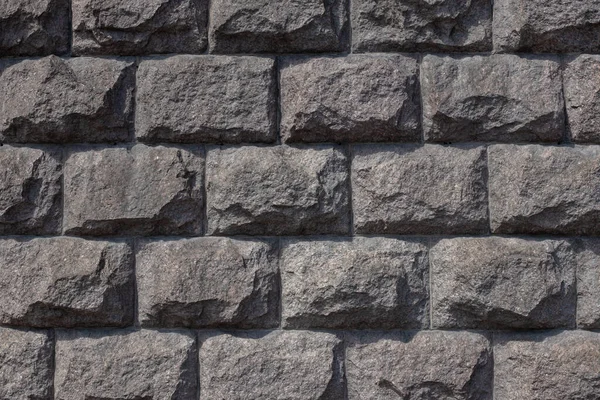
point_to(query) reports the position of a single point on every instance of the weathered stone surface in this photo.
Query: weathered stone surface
(434, 365)
(285, 365)
(136, 191)
(58, 100)
(547, 26)
(264, 26)
(544, 189)
(419, 189)
(409, 25)
(502, 283)
(126, 364)
(352, 98)
(278, 190)
(588, 283)
(547, 366)
(355, 283)
(137, 28)
(25, 364)
(501, 97)
(582, 95)
(30, 191)
(34, 27)
(208, 282)
(206, 99)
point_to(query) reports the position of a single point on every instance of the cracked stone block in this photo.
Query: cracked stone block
(208, 282)
(264, 26)
(355, 283)
(501, 98)
(277, 190)
(547, 26)
(139, 27)
(582, 95)
(544, 189)
(502, 283)
(26, 362)
(34, 27)
(291, 365)
(546, 366)
(432, 365)
(66, 282)
(416, 26)
(588, 283)
(126, 364)
(353, 98)
(430, 189)
(55, 100)
(140, 190)
(30, 191)
(217, 99)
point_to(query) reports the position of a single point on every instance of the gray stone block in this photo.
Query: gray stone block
(588, 289)
(582, 95)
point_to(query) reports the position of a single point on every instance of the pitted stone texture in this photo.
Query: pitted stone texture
(588, 283)
(34, 27)
(220, 99)
(25, 364)
(139, 27)
(502, 283)
(409, 25)
(134, 191)
(354, 98)
(547, 366)
(545, 189)
(419, 189)
(278, 190)
(284, 365)
(208, 282)
(547, 26)
(56, 100)
(265, 26)
(503, 98)
(582, 95)
(125, 364)
(355, 283)
(434, 365)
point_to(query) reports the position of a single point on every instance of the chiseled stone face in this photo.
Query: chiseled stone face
(352, 98)
(582, 95)
(588, 283)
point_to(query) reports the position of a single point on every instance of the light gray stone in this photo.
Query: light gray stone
(588, 283)
(582, 95)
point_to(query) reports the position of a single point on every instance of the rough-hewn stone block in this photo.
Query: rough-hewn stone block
(582, 95)
(544, 189)
(56, 100)
(492, 98)
(588, 283)
(278, 190)
(419, 189)
(292, 365)
(208, 282)
(264, 26)
(502, 283)
(125, 364)
(352, 98)
(137, 28)
(407, 25)
(206, 99)
(355, 283)
(423, 365)
(136, 191)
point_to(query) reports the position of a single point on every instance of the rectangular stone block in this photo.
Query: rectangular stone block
(277, 190)
(582, 95)
(426, 189)
(434, 365)
(208, 282)
(588, 287)
(66, 282)
(352, 98)
(126, 364)
(263, 26)
(138, 28)
(355, 283)
(501, 98)
(140, 190)
(54, 100)
(545, 189)
(190, 99)
(291, 365)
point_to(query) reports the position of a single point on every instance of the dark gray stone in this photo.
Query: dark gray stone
(582, 95)
(588, 279)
